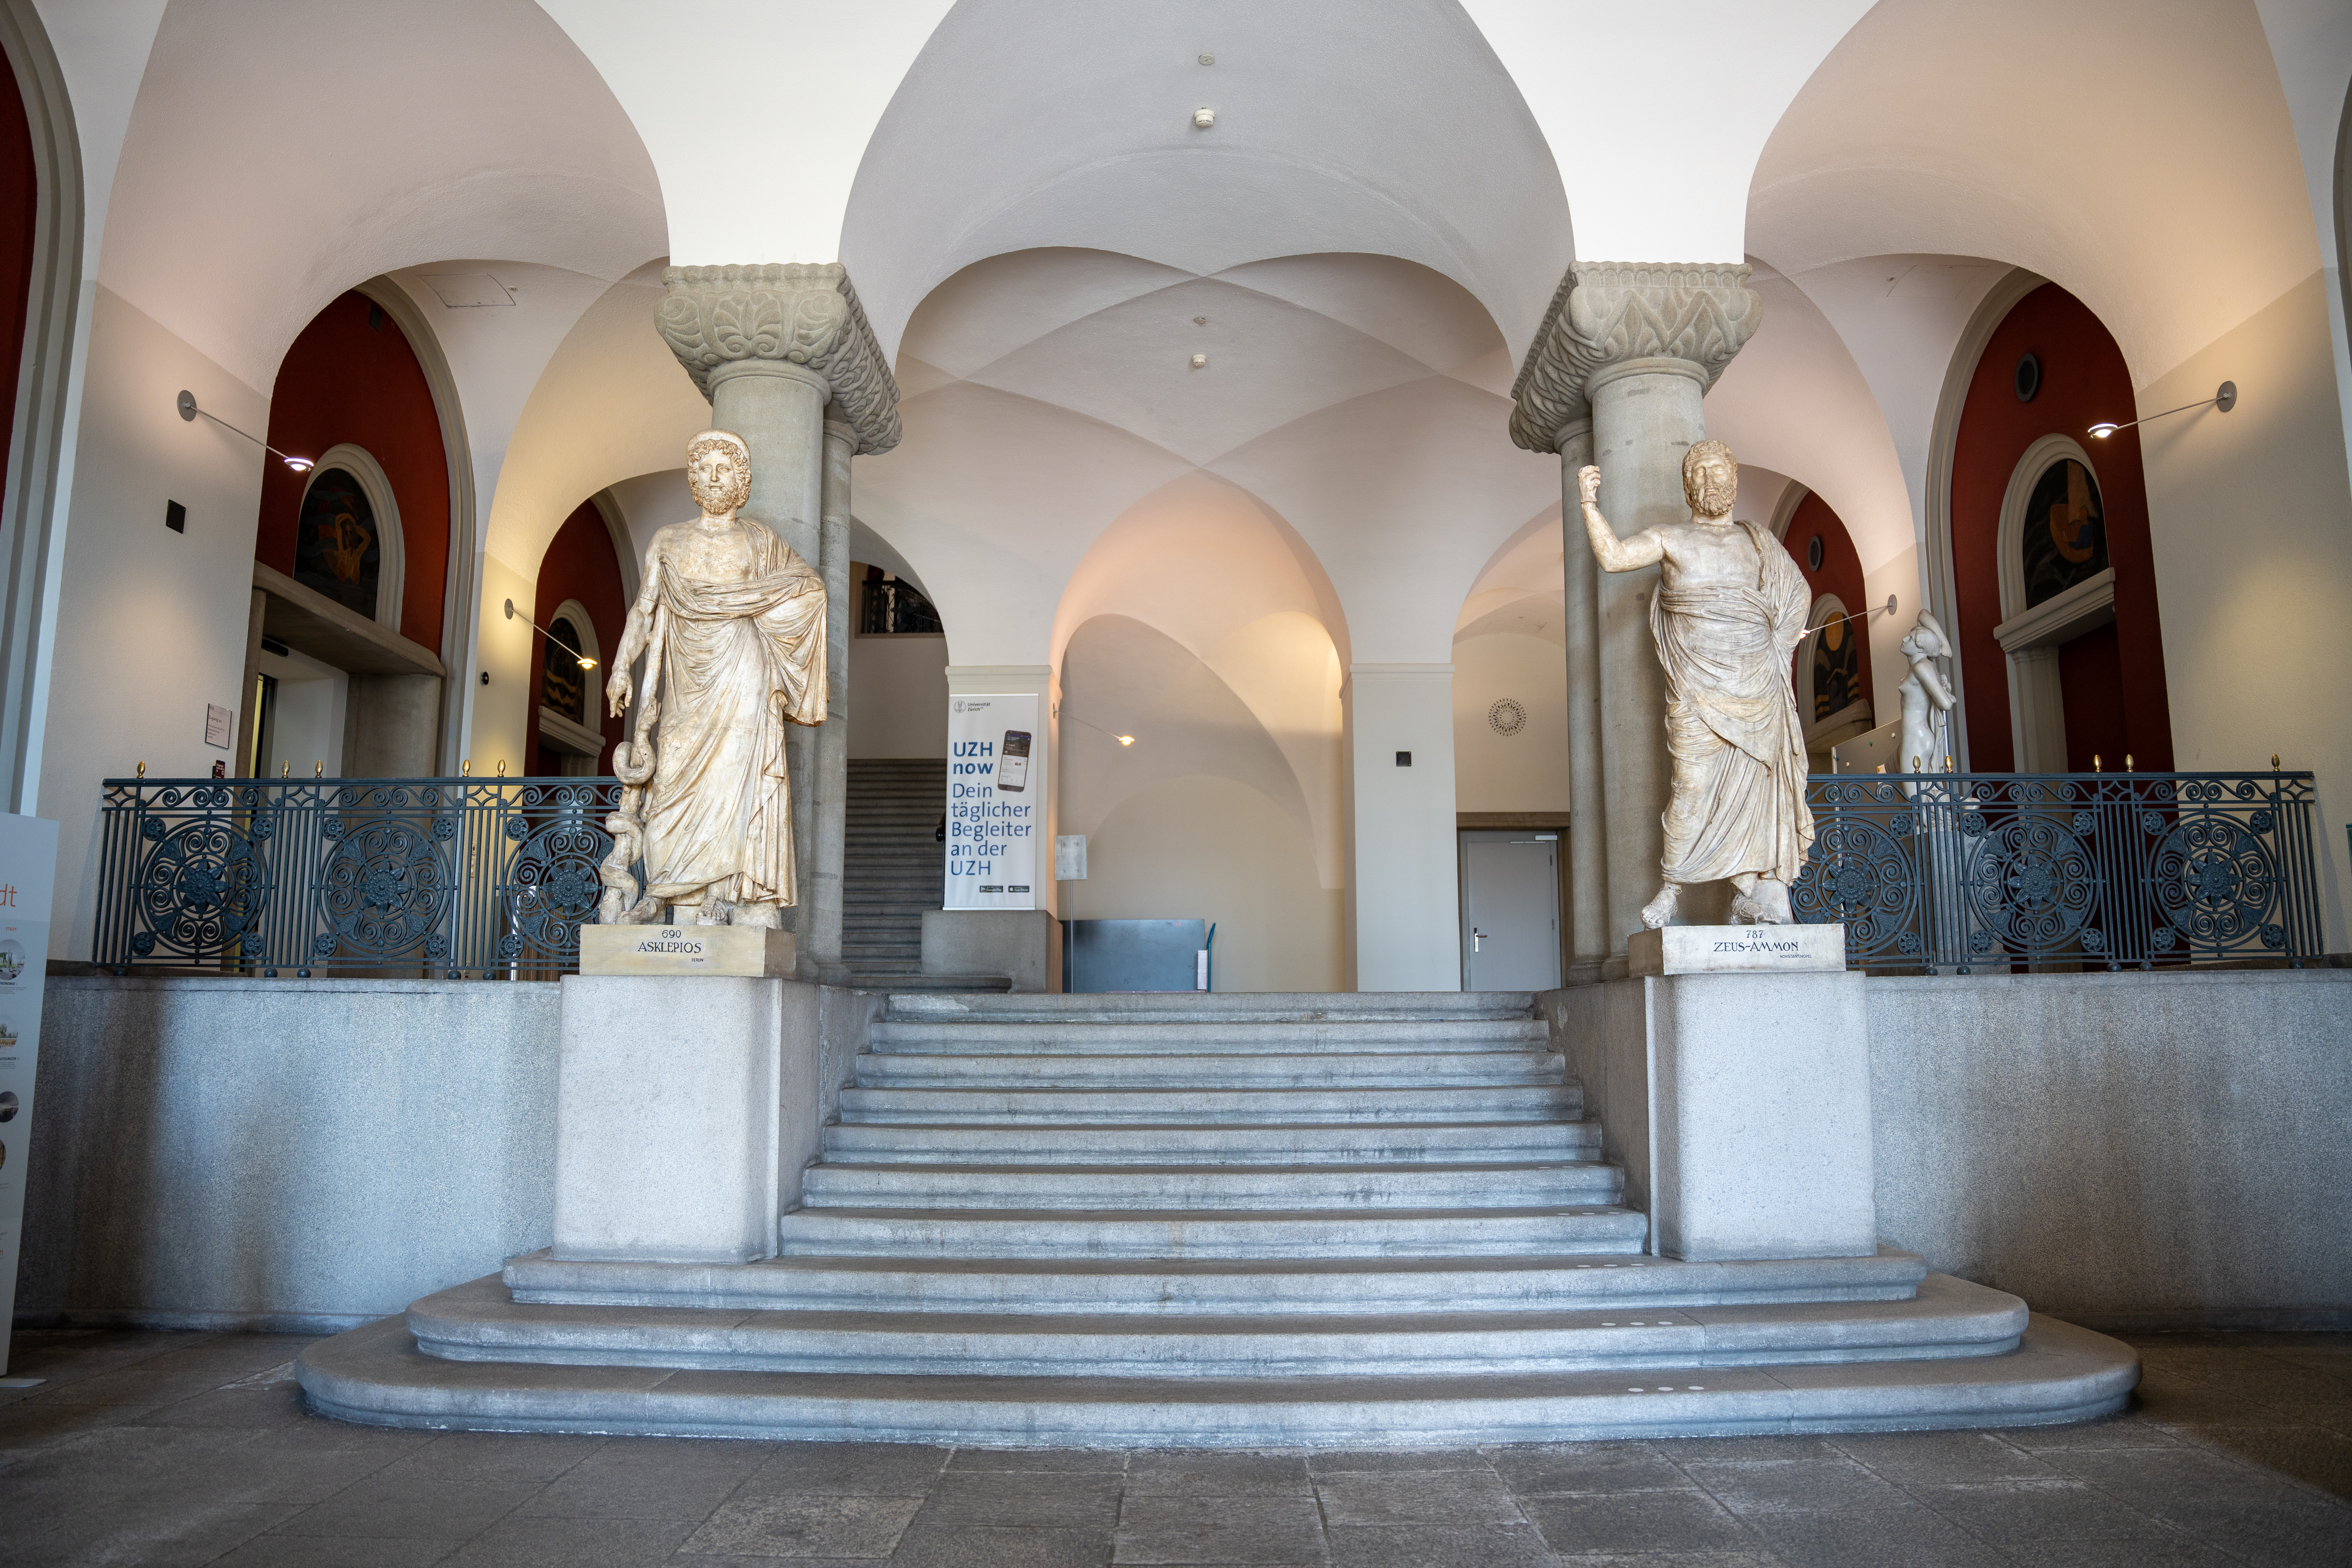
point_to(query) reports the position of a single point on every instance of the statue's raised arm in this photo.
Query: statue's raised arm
(1644, 549)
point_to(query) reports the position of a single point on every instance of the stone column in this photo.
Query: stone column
(1632, 349)
(777, 349)
(830, 778)
(1588, 820)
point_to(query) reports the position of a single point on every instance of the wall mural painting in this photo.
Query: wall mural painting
(336, 546)
(2066, 531)
(1837, 661)
(563, 685)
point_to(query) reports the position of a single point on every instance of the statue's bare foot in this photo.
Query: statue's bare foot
(1660, 910)
(1766, 905)
(712, 913)
(767, 917)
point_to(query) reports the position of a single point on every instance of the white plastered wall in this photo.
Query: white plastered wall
(151, 624)
(897, 696)
(1523, 772)
(2250, 515)
(1239, 861)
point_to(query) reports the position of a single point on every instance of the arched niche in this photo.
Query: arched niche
(2039, 617)
(346, 461)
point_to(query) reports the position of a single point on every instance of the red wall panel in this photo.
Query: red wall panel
(1840, 573)
(2083, 380)
(580, 564)
(344, 380)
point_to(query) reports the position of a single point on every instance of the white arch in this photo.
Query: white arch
(392, 547)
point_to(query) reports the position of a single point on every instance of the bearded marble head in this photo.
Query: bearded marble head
(718, 471)
(1710, 479)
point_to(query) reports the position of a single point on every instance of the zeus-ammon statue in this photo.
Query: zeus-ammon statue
(1728, 610)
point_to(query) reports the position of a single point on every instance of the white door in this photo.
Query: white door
(1510, 912)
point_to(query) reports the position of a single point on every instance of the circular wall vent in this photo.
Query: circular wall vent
(2029, 376)
(1507, 717)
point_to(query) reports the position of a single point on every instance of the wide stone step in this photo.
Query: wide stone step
(1209, 1188)
(1348, 1143)
(1948, 1318)
(1562, 1101)
(1191, 1234)
(1451, 1070)
(1221, 1035)
(376, 1375)
(1152, 1288)
(1264, 1006)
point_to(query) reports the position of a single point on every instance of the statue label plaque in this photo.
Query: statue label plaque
(757, 952)
(1737, 950)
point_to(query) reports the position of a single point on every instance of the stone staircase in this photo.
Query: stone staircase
(893, 867)
(1216, 1221)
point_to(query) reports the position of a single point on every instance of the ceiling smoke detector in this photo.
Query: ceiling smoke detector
(1204, 118)
(1200, 361)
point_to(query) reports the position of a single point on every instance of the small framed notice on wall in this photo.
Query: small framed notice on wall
(220, 726)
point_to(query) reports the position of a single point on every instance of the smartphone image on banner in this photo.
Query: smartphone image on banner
(1012, 762)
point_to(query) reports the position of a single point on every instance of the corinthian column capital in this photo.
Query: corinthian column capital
(1611, 313)
(801, 314)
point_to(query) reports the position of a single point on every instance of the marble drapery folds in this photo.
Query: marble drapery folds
(738, 660)
(1738, 752)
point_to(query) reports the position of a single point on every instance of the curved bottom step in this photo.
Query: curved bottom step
(375, 1375)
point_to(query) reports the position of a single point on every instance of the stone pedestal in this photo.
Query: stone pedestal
(671, 1118)
(1759, 1116)
(1022, 945)
(746, 952)
(1738, 950)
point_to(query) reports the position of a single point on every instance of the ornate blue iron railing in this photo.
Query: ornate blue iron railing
(456, 878)
(1975, 872)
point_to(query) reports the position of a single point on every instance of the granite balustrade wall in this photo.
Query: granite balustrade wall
(2127, 1151)
(2138, 1150)
(305, 1153)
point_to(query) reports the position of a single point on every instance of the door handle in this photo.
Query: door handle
(1476, 937)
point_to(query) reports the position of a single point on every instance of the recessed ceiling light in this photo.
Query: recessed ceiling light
(1208, 60)
(1203, 117)
(1200, 361)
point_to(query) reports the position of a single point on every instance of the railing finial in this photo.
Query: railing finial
(143, 770)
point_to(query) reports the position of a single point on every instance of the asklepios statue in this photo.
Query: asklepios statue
(1728, 610)
(733, 623)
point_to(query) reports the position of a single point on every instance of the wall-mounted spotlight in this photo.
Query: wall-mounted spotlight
(585, 662)
(2224, 400)
(188, 411)
(1122, 740)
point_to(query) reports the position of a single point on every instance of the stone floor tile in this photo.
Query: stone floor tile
(872, 1470)
(150, 1460)
(2292, 1531)
(1899, 1456)
(1559, 1467)
(119, 1529)
(499, 1458)
(1757, 1559)
(1036, 1501)
(1039, 1460)
(1221, 1529)
(517, 1542)
(937, 1545)
(433, 1506)
(804, 1526)
(2158, 1480)
(1881, 1537)
(1779, 1485)
(2115, 1431)
(1441, 1546)
(24, 1427)
(1417, 1497)
(2313, 1455)
(1695, 1450)
(1216, 1473)
(150, 1382)
(1332, 1461)
(335, 1552)
(1638, 1522)
(633, 1479)
(2179, 1552)
(2061, 1510)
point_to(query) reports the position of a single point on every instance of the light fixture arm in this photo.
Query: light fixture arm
(2224, 400)
(188, 411)
(1122, 740)
(585, 662)
(1887, 608)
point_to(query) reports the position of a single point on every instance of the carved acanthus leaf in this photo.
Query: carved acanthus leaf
(801, 314)
(1606, 312)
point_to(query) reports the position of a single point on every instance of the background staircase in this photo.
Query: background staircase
(893, 867)
(1216, 1221)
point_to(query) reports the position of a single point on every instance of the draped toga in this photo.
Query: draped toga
(1739, 799)
(738, 660)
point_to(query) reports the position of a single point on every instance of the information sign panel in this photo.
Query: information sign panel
(996, 794)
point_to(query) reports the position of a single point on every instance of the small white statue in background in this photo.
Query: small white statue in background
(1926, 697)
(1730, 607)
